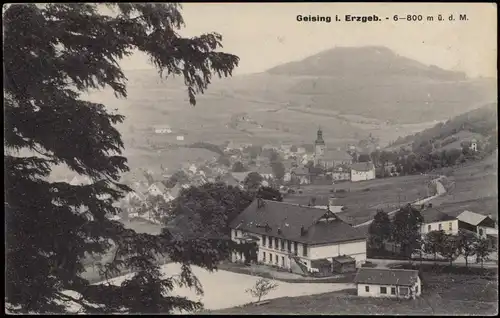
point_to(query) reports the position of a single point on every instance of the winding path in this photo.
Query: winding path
(440, 191)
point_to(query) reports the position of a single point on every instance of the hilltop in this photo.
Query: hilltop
(371, 61)
(350, 92)
(376, 82)
(479, 124)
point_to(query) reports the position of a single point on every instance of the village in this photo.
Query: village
(167, 158)
(284, 167)
(299, 239)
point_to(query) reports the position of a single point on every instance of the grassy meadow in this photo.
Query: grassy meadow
(472, 187)
(443, 294)
(362, 199)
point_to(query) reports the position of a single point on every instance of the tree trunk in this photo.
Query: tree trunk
(482, 262)
(466, 261)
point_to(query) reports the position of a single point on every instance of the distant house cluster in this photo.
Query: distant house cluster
(340, 164)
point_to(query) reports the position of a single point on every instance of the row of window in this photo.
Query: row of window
(440, 227)
(279, 244)
(276, 259)
(383, 290)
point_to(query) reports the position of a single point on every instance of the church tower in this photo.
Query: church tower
(319, 147)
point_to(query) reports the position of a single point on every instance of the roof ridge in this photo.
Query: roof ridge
(295, 204)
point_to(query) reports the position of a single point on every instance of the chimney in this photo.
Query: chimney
(279, 232)
(267, 227)
(302, 231)
(331, 201)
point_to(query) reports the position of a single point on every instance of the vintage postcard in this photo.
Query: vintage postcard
(251, 158)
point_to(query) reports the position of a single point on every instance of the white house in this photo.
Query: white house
(240, 176)
(362, 171)
(81, 180)
(287, 177)
(435, 220)
(301, 150)
(301, 174)
(159, 188)
(179, 138)
(473, 145)
(265, 171)
(192, 168)
(162, 130)
(386, 282)
(295, 237)
(341, 173)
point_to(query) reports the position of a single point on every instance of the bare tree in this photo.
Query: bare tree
(261, 288)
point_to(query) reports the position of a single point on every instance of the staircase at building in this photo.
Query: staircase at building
(297, 267)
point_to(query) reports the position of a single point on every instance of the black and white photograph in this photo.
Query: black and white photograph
(251, 158)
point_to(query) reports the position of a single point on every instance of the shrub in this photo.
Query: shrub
(366, 189)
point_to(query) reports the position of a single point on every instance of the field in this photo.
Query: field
(443, 295)
(362, 199)
(473, 187)
(278, 114)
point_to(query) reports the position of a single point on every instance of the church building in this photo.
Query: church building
(329, 158)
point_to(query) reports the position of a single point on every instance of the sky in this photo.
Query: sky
(264, 35)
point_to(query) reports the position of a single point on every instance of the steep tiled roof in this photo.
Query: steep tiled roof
(379, 276)
(300, 171)
(333, 154)
(431, 215)
(290, 218)
(471, 217)
(229, 179)
(362, 166)
(240, 176)
(160, 186)
(263, 170)
(342, 168)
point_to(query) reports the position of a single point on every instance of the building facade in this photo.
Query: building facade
(295, 237)
(362, 171)
(435, 220)
(388, 283)
(329, 158)
(480, 224)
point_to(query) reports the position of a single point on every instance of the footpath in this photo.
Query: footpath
(440, 191)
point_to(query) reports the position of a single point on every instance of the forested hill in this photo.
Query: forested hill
(479, 124)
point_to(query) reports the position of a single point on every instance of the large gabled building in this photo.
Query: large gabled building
(296, 237)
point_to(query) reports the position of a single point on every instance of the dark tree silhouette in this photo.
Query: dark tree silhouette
(380, 230)
(52, 54)
(269, 193)
(238, 167)
(405, 225)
